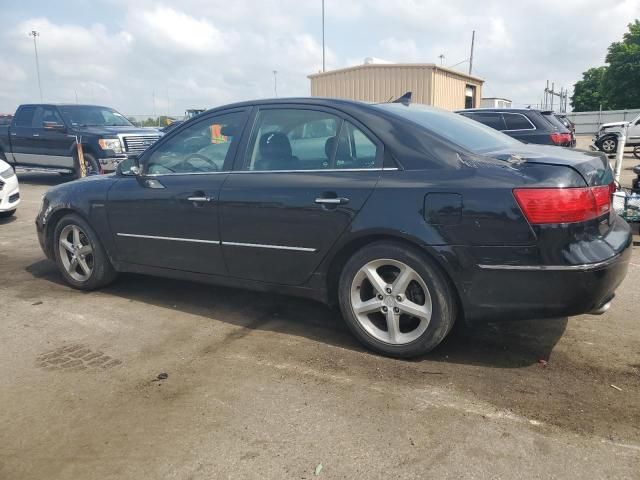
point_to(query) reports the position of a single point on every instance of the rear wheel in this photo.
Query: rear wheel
(609, 145)
(80, 256)
(636, 151)
(395, 300)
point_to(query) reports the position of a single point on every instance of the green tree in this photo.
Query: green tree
(621, 81)
(588, 92)
(617, 85)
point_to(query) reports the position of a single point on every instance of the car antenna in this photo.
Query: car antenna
(404, 99)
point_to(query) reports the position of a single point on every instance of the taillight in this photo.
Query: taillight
(563, 205)
(560, 138)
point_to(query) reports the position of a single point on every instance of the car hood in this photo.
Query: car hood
(98, 130)
(614, 124)
(592, 166)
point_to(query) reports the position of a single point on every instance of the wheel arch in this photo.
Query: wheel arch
(53, 220)
(339, 258)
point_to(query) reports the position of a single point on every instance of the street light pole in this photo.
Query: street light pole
(275, 83)
(323, 62)
(35, 34)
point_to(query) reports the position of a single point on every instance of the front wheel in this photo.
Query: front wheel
(91, 166)
(80, 256)
(636, 151)
(609, 145)
(7, 213)
(396, 300)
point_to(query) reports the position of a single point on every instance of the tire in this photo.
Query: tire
(100, 271)
(92, 165)
(7, 214)
(636, 151)
(424, 286)
(609, 145)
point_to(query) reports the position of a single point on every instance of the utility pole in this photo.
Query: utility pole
(441, 57)
(155, 114)
(323, 61)
(76, 92)
(275, 83)
(35, 34)
(473, 41)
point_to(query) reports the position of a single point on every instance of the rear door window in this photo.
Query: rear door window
(517, 121)
(24, 118)
(490, 119)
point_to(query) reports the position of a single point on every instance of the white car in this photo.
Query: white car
(9, 190)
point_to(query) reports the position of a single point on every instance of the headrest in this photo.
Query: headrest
(275, 145)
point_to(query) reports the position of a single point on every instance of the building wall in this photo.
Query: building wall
(374, 84)
(495, 103)
(449, 90)
(430, 85)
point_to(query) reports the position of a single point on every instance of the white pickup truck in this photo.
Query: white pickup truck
(607, 137)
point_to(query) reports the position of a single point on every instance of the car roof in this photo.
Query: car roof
(62, 105)
(502, 110)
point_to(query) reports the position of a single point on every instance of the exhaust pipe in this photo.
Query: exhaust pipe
(600, 310)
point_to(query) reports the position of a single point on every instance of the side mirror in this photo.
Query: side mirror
(58, 127)
(129, 167)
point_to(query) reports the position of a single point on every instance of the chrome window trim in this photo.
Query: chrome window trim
(217, 172)
(329, 170)
(174, 239)
(273, 247)
(518, 129)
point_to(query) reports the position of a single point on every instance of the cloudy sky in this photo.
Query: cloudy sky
(194, 53)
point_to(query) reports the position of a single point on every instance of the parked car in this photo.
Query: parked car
(524, 124)
(564, 120)
(5, 118)
(9, 190)
(44, 137)
(606, 139)
(406, 216)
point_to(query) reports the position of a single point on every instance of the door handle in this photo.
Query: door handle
(199, 199)
(35, 135)
(332, 201)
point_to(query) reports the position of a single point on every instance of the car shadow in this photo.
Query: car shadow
(45, 179)
(500, 345)
(7, 220)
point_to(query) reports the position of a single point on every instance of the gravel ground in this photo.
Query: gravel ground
(155, 378)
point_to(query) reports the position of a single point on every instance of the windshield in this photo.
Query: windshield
(84, 115)
(464, 132)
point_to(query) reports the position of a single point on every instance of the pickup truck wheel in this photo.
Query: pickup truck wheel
(92, 166)
(636, 152)
(609, 145)
(80, 256)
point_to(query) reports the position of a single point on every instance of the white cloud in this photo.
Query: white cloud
(210, 52)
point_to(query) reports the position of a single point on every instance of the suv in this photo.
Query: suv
(526, 125)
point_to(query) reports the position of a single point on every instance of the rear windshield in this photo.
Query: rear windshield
(554, 121)
(464, 132)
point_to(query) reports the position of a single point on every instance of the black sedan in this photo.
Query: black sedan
(407, 217)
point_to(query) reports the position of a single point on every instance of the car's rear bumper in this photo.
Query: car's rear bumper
(513, 291)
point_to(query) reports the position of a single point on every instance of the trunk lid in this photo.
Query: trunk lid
(592, 166)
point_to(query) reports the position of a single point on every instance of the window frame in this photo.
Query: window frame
(143, 160)
(533, 127)
(248, 137)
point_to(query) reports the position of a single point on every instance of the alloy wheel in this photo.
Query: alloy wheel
(609, 145)
(391, 301)
(76, 253)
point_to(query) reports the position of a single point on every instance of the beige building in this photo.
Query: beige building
(375, 82)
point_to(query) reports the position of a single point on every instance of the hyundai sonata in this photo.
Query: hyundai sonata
(407, 217)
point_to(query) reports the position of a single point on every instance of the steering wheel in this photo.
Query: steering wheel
(197, 156)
